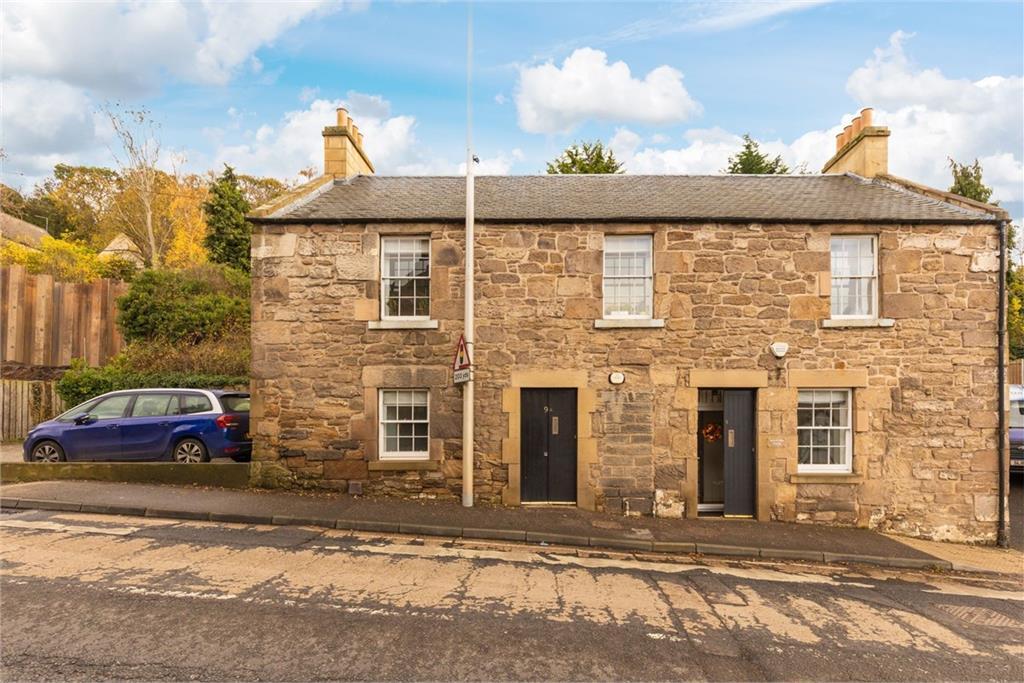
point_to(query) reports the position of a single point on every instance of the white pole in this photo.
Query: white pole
(467, 392)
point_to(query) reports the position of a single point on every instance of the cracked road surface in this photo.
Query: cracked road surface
(87, 597)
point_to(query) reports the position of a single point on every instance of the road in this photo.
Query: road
(91, 597)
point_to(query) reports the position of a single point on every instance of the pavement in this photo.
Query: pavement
(547, 526)
(99, 597)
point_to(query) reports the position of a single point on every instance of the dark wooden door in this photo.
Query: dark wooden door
(739, 439)
(548, 445)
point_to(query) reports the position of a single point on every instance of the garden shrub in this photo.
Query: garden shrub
(81, 382)
(185, 305)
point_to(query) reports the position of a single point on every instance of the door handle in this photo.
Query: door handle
(163, 424)
(732, 438)
(554, 425)
(112, 426)
(545, 454)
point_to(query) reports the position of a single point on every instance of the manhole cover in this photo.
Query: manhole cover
(981, 616)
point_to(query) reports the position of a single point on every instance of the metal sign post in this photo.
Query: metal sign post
(467, 341)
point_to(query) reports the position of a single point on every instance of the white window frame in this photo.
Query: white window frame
(873, 278)
(385, 277)
(649, 289)
(844, 468)
(382, 452)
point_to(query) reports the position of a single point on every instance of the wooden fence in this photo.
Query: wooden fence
(47, 323)
(1015, 372)
(24, 403)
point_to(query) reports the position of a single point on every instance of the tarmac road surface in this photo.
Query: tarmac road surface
(94, 597)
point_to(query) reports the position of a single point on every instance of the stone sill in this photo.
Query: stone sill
(403, 465)
(837, 323)
(825, 478)
(401, 325)
(625, 323)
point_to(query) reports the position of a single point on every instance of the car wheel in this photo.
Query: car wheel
(48, 451)
(190, 451)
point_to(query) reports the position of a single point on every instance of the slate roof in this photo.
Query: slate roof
(621, 198)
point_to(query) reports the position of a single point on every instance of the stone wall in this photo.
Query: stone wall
(924, 389)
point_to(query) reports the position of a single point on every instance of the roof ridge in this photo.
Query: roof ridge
(896, 187)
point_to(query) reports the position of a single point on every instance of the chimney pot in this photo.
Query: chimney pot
(861, 148)
(343, 148)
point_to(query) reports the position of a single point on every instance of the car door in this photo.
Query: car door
(100, 437)
(146, 431)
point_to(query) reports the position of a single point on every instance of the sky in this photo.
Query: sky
(670, 87)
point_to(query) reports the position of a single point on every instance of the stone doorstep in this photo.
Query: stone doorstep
(669, 547)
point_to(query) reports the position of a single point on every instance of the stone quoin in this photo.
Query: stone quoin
(882, 411)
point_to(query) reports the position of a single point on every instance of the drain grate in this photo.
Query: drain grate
(982, 616)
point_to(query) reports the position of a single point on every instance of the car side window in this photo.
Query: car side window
(195, 403)
(111, 407)
(155, 405)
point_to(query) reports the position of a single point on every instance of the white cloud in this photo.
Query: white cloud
(308, 94)
(932, 117)
(500, 98)
(295, 143)
(552, 99)
(125, 48)
(60, 60)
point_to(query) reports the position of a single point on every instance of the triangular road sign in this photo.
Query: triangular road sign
(461, 355)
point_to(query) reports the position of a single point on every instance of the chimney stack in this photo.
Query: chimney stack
(343, 149)
(862, 148)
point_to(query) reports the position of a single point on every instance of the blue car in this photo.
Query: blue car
(181, 425)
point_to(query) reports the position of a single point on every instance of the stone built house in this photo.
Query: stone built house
(818, 348)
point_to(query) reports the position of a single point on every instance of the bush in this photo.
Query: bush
(228, 354)
(185, 305)
(67, 261)
(81, 382)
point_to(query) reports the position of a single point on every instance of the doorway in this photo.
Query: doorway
(548, 443)
(726, 452)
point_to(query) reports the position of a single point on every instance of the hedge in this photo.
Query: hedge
(81, 382)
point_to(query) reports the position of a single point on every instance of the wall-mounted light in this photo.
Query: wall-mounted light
(616, 378)
(778, 349)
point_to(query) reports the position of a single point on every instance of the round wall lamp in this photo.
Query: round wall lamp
(616, 378)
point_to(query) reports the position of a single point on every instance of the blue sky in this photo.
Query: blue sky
(670, 86)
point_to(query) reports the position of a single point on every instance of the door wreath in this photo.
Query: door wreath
(712, 432)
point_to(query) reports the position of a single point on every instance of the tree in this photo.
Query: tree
(67, 261)
(588, 157)
(967, 181)
(259, 191)
(751, 160)
(228, 233)
(139, 181)
(83, 195)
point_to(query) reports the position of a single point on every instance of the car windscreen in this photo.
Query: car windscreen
(1017, 414)
(69, 415)
(235, 403)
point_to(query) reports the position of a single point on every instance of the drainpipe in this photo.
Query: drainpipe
(1001, 537)
(467, 392)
